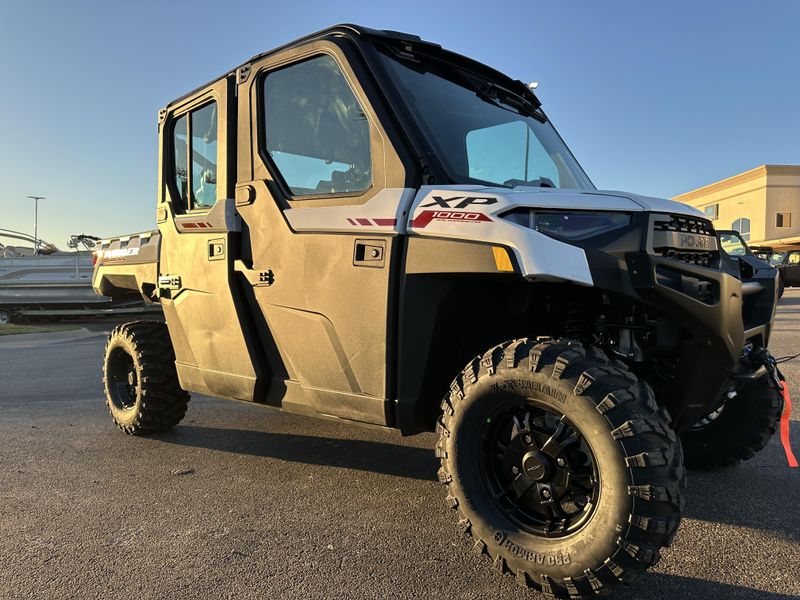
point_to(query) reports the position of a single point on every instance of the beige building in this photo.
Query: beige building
(763, 204)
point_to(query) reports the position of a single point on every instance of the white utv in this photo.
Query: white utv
(361, 225)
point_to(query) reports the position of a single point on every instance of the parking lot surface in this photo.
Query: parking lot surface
(240, 501)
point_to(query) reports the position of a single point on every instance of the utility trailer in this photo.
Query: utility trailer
(364, 226)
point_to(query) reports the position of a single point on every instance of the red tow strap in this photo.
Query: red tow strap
(787, 411)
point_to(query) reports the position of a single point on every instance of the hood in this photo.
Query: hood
(587, 200)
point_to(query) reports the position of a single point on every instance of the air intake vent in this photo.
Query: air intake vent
(684, 225)
(686, 239)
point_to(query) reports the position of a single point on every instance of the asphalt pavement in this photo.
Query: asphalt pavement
(241, 501)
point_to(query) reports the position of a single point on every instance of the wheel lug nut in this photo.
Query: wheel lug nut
(528, 439)
(546, 494)
(515, 470)
(561, 462)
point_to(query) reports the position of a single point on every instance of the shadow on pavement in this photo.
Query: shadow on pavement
(653, 586)
(713, 497)
(716, 497)
(747, 496)
(792, 300)
(376, 457)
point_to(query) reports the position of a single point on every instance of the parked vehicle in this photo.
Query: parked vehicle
(787, 262)
(41, 276)
(762, 252)
(39, 280)
(361, 225)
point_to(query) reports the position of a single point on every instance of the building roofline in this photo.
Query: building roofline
(722, 184)
(739, 178)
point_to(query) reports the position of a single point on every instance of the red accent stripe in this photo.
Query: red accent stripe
(363, 221)
(785, 439)
(190, 225)
(385, 222)
(423, 219)
(351, 221)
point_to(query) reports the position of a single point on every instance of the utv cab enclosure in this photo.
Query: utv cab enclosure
(364, 226)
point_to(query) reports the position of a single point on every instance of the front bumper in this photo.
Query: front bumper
(722, 316)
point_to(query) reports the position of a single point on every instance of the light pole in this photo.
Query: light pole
(36, 222)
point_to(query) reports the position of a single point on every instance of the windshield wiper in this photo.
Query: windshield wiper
(490, 92)
(522, 105)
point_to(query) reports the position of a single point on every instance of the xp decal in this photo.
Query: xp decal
(426, 216)
(463, 201)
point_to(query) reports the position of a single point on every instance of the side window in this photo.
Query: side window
(179, 146)
(794, 258)
(195, 135)
(743, 227)
(712, 211)
(509, 152)
(203, 123)
(316, 132)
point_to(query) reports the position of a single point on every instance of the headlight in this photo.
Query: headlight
(569, 225)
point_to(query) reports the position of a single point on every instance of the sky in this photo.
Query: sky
(652, 98)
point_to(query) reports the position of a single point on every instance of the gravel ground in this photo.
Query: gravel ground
(240, 501)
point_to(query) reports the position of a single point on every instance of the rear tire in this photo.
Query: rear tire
(5, 317)
(141, 384)
(741, 427)
(598, 491)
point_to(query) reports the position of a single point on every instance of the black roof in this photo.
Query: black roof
(354, 31)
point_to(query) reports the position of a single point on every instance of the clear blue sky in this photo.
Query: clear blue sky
(655, 98)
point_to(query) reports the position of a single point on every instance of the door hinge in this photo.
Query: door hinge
(255, 277)
(169, 282)
(242, 74)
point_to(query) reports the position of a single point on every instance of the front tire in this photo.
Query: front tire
(560, 465)
(141, 384)
(737, 430)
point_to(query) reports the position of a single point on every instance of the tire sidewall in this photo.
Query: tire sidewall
(123, 416)
(745, 425)
(562, 557)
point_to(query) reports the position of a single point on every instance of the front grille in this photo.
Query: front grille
(690, 240)
(702, 259)
(684, 224)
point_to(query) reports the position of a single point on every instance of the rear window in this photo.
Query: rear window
(194, 152)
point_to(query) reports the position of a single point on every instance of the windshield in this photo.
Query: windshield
(777, 258)
(732, 244)
(483, 133)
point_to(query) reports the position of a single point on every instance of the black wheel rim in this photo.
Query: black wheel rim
(538, 469)
(709, 420)
(123, 381)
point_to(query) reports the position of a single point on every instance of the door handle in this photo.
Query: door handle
(369, 253)
(216, 249)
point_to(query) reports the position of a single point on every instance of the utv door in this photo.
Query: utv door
(205, 312)
(321, 197)
(791, 270)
